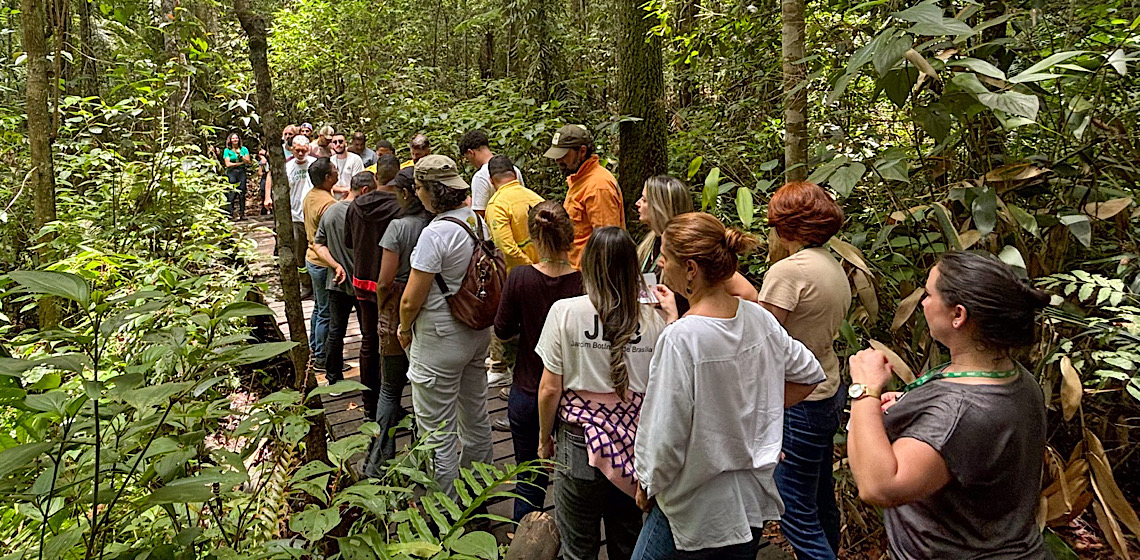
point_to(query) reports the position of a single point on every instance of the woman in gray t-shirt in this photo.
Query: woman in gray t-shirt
(955, 461)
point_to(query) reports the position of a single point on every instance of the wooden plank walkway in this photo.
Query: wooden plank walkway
(344, 414)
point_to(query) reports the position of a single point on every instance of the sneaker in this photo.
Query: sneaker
(505, 393)
(498, 378)
(500, 425)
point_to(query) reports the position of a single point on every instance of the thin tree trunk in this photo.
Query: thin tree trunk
(304, 381)
(36, 34)
(641, 86)
(174, 54)
(795, 103)
(683, 72)
(88, 65)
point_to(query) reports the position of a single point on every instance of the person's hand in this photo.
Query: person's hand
(546, 448)
(871, 369)
(667, 301)
(404, 336)
(268, 203)
(643, 500)
(340, 274)
(889, 399)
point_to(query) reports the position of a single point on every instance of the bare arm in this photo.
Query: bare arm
(887, 474)
(739, 286)
(419, 283)
(779, 313)
(796, 392)
(326, 255)
(549, 393)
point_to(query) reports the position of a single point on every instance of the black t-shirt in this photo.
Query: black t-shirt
(527, 298)
(992, 438)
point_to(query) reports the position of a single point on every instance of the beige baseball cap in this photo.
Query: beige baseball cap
(440, 168)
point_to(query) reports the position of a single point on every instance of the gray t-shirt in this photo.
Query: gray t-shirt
(992, 438)
(330, 233)
(400, 238)
(445, 248)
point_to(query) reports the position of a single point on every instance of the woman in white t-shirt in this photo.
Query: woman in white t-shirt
(595, 351)
(712, 420)
(446, 370)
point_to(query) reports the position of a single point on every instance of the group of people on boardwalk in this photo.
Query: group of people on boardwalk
(683, 407)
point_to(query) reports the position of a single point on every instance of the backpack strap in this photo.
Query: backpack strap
(478, 240)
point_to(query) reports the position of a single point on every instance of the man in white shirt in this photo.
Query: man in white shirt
(475, 148)
(297, 171)
(347, 164)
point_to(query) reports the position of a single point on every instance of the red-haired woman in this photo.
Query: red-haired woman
(808, 293)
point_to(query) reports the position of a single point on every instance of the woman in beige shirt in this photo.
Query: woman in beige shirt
(808, 293)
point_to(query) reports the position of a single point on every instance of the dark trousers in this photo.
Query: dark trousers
(340, 309)
(804, 477)
(370, 354)
(389, 412)
(584, 498)
(522, 413)
(235, 197)
(656, 543)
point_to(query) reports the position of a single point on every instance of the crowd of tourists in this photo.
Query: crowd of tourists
(682, 407)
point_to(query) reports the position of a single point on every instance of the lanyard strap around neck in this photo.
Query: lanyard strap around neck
(938, 373)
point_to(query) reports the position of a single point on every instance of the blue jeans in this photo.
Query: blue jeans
(656, 543)
(319, 320)
(522, 413)
(804, 478)
(340, 308)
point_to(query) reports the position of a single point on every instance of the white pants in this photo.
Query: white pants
(449, 387)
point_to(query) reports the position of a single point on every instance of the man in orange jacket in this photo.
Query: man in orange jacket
(594, 199)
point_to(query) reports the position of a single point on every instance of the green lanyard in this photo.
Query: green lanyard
(937, 373)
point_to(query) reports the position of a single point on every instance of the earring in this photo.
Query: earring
(688, 287)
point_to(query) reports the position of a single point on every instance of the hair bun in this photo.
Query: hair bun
(1038, 299)
(739, 242)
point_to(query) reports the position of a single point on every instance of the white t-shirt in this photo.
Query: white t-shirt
(299, 187)
(444, 248)
(482, 189)
(571, 345)
(346, 168)
(712, 423)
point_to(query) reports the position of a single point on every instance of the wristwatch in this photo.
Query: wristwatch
(401, 330)
(859, 390)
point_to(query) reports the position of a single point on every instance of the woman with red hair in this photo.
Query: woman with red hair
(807, 291)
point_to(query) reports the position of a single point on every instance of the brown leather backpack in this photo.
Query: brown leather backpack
(476, 301)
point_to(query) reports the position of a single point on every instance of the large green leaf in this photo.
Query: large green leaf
(935, 119)
(845, 178)
(890, 52)
(345, 386)
(1049, 63)
(50, 282)
(1012, 102)
(926, 12)
(984, 209)
(1024, 219)
(187, 492)
(947, 26)
(20, 456)
(244, 309)
(979, 66)
(823, 172)
(479, 544)
(1080, 227)
(893, 165)
(712, 187)
(744, 207)
(314, 523)
(254, 353)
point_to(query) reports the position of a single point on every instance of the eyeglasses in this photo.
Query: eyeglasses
(337, 142)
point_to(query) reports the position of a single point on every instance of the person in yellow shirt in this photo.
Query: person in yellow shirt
(507, 213)
(594, 199)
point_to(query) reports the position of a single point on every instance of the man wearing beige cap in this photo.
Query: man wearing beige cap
(594, 199)
(446, 357)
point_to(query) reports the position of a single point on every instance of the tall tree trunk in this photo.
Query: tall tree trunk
(88, 65)
(795, 98)
(686, 82)
(254, 27)
(641, 86)
(487, 56)
(174, 103)
(36, 34)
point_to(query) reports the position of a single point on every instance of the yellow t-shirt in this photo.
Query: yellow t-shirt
(813, 288)
(316, 202)
(408, 163)
(507, 217)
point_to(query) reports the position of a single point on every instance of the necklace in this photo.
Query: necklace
(552, 261)
(938, 373)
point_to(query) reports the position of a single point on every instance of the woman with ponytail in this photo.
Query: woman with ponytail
(955, 461)
(712, 421)
(596, 350)
(529, 293)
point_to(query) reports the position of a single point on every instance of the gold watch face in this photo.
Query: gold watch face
(855, 391)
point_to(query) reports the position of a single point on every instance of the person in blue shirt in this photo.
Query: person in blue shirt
(236, 158)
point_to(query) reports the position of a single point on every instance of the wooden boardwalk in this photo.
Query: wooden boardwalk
(345, 413)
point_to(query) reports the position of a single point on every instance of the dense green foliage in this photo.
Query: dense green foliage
(1006, 128)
